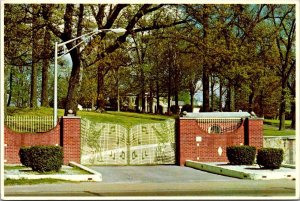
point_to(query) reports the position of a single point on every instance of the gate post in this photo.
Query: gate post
(255, 132)
(70, 138)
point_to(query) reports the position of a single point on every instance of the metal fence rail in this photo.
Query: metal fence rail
(29, 124)
(219, 125)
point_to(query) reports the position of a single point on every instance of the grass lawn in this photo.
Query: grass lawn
(20, 169)
(27, 170)
(10, 182)
(40, 111)
(271, 128)
(127, 119)
(275, 122)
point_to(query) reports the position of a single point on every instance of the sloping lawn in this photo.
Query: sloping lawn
(40, 111)
(271, 128)
(127, 119)
(275, 122)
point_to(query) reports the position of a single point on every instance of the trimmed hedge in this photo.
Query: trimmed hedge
(270, 158)
(24, 154)
(241, 155)
(43, 158)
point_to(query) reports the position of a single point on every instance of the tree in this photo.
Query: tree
(76, 12)
(201, 16)
(35, 54)
(285, 22)
(141, 49)
(45, 68)
(17, 55)
(245, 51)
(292, 87)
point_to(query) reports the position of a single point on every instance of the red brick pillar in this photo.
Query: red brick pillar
(187, 145)
(71, 138)
(255, 132)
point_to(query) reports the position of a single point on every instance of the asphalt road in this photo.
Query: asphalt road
(156, 182)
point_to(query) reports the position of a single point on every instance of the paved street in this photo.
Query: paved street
(207, 188)
(158, 181)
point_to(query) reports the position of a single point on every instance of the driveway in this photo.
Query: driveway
(156, 174)
(158, 181)
(215, 189)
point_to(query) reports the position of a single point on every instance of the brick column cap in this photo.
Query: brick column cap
(256, 119)
(71, 117)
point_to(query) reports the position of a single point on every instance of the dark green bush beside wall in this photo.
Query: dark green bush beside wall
(241, 155)
(24, 154)
(270, 158)
(42, 158)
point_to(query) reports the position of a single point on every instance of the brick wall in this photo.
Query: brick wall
(60, 135)
(197, 144)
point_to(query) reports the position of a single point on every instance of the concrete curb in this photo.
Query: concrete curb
(243, 173)
(289, 166)
(217, 170)
(94, 176)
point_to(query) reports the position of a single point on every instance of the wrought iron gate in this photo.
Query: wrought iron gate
(114, 144)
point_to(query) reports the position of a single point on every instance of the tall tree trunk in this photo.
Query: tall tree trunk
(192, 93)
(176, 83)
(227, 100)
(176, 102)
(261, 104)
(220, 98)
(169, 89)
(100, 89)
(282, 104)
(169, 102)
(151, 97)
(157, 95)
(205, 74)
(143, 91)
(45, 67)
(230, 103)
(205, 84)
(293, 104)
(250, 100)
(74, 83)
(10, 88)
(118, 91)
(35, 54)
(293, 114)
(212, 98)
(232, 98)
(137, 103)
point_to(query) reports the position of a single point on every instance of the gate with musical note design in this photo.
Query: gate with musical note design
(114, 144)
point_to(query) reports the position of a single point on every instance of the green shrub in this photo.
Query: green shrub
(241, 155)
(270, 158)
(24, 154)
(187, 108)
(46, 158)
